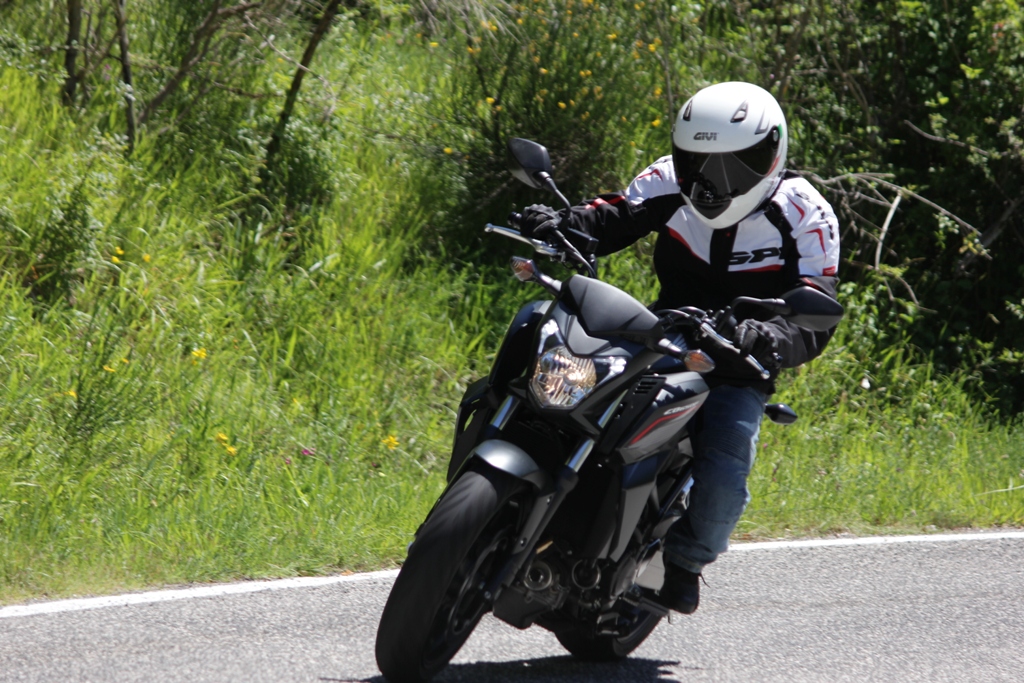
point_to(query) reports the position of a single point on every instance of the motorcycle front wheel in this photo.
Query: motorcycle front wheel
(438, 597)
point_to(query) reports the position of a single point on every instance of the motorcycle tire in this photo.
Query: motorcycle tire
(582, 644)
(437, 599)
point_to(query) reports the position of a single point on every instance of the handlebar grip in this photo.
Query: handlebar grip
(515, 219)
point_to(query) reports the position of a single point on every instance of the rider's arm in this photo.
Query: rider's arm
(815, 231)
(619, 219)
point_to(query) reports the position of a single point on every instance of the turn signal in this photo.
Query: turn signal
(698, 361)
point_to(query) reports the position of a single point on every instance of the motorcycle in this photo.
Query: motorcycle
(570, 462)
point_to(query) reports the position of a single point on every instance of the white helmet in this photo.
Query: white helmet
(729, 150)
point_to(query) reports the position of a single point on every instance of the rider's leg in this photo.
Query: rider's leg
(724, 452)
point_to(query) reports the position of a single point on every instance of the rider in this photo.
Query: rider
(731, 221)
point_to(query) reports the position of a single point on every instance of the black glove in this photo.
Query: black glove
(538, 219)
(760, 340)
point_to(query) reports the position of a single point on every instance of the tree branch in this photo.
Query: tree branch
(868, 178)
(993, 232)
(126, 72)
(955, 143)
(274, 146)
(196, 51)
(71, 50)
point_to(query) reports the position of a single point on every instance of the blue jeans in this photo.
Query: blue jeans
(724, 449)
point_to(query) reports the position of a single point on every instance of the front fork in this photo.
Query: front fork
(545, 505)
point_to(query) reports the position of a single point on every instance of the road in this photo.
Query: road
(945, 609)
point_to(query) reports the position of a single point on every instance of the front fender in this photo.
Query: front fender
(511, 459)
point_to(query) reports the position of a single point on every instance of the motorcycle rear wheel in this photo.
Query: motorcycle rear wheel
(583, 644)
(437, 599)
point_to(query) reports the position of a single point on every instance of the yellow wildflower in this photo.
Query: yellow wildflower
(199, 353)
(109, 369)
(119, 251)
(657, 92)
(490, 100)
(561, 105)
(231, 450)
(613, 36)
(656, 122)
(448, 150)
(147, 258)
(434, 43)
(114, 259)
(72, 393)
(390, 442)
(543, 71)
(221, 437)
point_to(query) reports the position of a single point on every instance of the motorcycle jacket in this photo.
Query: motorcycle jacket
(790, 240)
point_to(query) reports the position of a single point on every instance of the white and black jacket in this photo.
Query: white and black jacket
(792, 239)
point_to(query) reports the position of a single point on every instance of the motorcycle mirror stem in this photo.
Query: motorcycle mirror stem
(530, 163)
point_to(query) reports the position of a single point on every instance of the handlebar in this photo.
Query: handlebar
(701, 323)
(563, 252)
(724, 343)
(538, 246)
(698, 319)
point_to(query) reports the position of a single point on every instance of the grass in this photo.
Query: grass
(202, 382)
(898, 449)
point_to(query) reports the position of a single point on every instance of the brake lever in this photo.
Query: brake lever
(710, 332)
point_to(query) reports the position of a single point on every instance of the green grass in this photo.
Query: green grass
(214, 402)
(883, 447)
(201, 383)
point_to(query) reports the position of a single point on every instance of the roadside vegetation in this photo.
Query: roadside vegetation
(243, 281)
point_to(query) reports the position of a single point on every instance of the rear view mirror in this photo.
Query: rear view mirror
(529, 162)
(813, 309)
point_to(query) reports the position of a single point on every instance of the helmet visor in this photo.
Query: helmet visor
(712, 181)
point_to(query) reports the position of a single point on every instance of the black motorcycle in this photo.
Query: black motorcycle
(571, 461)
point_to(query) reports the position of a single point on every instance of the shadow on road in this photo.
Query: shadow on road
(550, 669)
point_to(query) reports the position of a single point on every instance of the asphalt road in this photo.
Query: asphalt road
(931, 611)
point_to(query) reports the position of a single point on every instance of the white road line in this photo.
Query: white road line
(879, 540)
(79, 604)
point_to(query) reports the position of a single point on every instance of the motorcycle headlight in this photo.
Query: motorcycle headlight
(562, 379)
